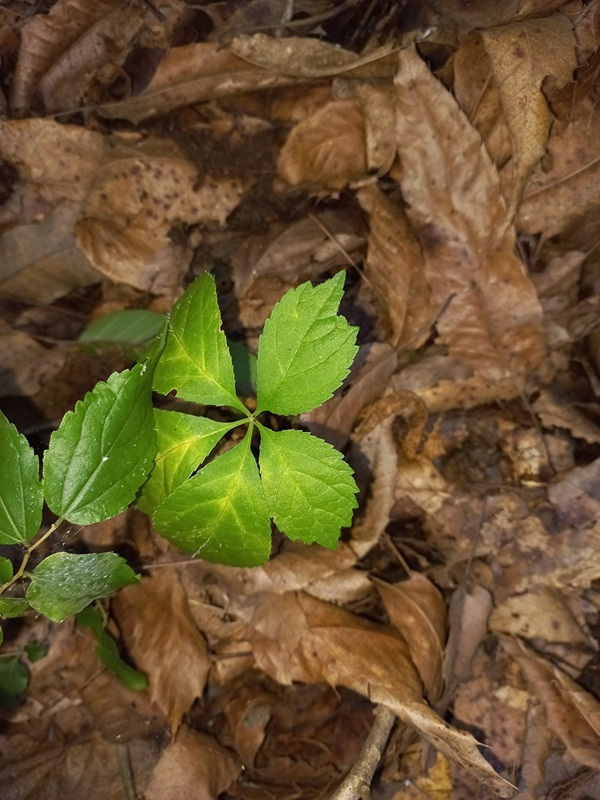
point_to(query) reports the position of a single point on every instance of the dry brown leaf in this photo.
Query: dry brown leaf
(189, 74)
(328, 149)
(556, 411)
(468, 617)
(572, 713)
(41, 261)
(47, 41)
(377, 103)
(138, 194)
(25, 365)
(566, 184)
(304, 248)
(395, 270)
(311, 58)
(161, 635)
(417, 609)
(404, 405)
(297, 638)
(192, 767)
(521, 55)
(489, 317)
(58, 161)
(378, 453)
(540, 613)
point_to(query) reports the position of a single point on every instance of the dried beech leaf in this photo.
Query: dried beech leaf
(189, 74)
(193, 765)
(327, 149)
(395, 270)
(490, 316)
(162, 637)
(572, 713)
(297, 638)
(521, 55)
(417, 609)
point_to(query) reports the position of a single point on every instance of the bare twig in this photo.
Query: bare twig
(357, 783)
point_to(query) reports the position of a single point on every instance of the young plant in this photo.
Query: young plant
(115, 443)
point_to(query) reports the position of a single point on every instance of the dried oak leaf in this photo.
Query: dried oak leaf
(298, 638)
(160, 633)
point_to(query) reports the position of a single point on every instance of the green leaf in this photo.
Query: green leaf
(102, 451)
(133, 326)
(65, 583)
(220, 513)
(196, 360)
(21, 497)
(6, 570)
(108, 651)
(36, 651)
(305, 350)
(309, 488)
(183, 441)
(14, 678)
(11, 607)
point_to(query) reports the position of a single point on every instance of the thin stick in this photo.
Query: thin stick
(357, 783)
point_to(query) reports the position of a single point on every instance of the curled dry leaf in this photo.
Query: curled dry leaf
(521, 55)
(310, 58)
(193, 765)
(489, 315)
(327, 149)
(298, 638)
(160, 633)
(572, 713)
(189, 74)
(417, 609)
(395, 270)
(52, 43)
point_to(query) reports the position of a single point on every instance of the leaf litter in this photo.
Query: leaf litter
(444, 157)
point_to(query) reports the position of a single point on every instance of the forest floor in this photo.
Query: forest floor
(446, 155)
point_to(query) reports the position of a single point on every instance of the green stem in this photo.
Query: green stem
(27, 555)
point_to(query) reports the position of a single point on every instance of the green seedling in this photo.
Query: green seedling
(115, 449)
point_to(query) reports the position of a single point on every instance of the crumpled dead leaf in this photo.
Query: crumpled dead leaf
(296, 637)
(540, 613)
(161, 635)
